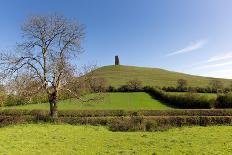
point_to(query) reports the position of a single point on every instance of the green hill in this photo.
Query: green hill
(119, 75)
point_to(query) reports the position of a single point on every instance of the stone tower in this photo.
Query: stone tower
(117, 60)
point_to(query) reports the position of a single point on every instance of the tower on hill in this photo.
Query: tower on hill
(117, 60)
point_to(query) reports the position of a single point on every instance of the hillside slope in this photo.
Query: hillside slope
(119, 75)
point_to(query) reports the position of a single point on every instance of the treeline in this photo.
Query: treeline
(191, 99)
(214, 86)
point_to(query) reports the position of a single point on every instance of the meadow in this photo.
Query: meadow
(67, 139)
(124, 101)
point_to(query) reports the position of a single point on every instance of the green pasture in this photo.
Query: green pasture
(87, 140)
(124, 101)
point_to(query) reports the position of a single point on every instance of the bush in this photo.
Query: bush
(187, 100)
(131, 86)
(163, 123)
(182, 85)
(224, 101)
(111, 89)
(134, 85)
(134, 123)
(13, 100)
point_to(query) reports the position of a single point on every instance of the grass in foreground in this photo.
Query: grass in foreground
(66, 139)
(125, 101)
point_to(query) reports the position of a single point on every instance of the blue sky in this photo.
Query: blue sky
(191, 36)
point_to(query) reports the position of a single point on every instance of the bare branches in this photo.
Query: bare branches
(49, 42)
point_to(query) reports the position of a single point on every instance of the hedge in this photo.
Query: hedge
(159, 123)
(152, 120)
(114, 113)
(224, 101)
(185, 101)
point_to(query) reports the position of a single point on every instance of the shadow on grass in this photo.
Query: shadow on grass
(161, 101)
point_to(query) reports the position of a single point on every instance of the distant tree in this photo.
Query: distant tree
(49, 43)
(181, 84)
(134, 85)
(216, 85)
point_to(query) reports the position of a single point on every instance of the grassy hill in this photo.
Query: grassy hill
(119, 75)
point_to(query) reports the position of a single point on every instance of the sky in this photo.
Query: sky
(190, 36)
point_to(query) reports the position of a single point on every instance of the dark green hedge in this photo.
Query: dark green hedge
(186, 101)
(224, 101)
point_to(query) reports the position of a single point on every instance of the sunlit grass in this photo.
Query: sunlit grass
(88, 140)
(126, 101)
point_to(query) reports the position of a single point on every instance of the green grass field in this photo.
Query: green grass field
(87, 140)
(119, 75)
(125, 101)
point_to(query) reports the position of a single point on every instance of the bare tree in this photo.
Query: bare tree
(181, 84)
(134, 85)
(86, 82)
(49, 43)
(216, 85)
(24, 87)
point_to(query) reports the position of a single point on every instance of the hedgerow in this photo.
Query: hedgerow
(118, 113)
(187, 100)
(147, 120)
(224, 101)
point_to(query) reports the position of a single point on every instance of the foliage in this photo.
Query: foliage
(183, 100)
(193, 89)
(14, 100)
(181, 84)
(44, 57)
(134, 85)
(123, 120)
(119, 113)
(224, 101)
(216, 85)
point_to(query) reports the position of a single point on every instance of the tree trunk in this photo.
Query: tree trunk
(53, 104)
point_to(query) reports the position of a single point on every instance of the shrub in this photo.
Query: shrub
(216, 85)
(187, 100)
(111, 89)
(123, 88)
(224, 101)
(13, 100)
(134, 85)
(147, 120)
(131, 86)
(134, 123)
(182, 85)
